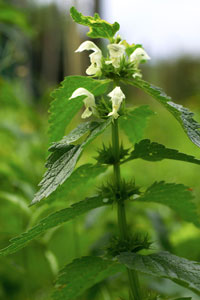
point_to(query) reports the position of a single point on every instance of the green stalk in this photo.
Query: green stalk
(135, 292)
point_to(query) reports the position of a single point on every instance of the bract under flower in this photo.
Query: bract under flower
(116, 52)
(117, 97)
(95, 57)
(89, 102)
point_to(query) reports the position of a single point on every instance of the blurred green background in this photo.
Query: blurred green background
(37, 43)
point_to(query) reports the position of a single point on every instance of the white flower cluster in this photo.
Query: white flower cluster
(116, 96)
(116, 52)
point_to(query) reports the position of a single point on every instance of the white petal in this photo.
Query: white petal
(92, 70)
(117, 93)
(81, 92)
(114, 114)
(116, 50)
(86, 114)
(138, 55)
(88, 45)
(137, 75)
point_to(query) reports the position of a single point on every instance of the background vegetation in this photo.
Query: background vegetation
(36, 52)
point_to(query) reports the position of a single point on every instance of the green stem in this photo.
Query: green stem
(135, 292)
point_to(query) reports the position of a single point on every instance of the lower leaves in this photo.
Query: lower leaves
(180, 270)
(51, 221)
(82, 274)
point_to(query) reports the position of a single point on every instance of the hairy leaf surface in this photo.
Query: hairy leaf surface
(134, 122)
(82, 274)
(98, 27)
(180, 270)
(62, 110)
(153, 151)
(176, 196)
(80, 180)
(182, 114)
(51, 221)
(64, 157)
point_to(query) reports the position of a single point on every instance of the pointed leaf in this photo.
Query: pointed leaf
(182, 114)
(180, 270)
(51, 221)
(134, 122)
(177, 196)
(62, 110)
(64, 157)
(80, 180)
(82, 274)
(98, 27)
(153, 151)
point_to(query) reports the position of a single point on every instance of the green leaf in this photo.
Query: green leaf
(82, 274)
(134, 122)
(62, 110)
(185, 298)
(51, 221)
(98, 27)
(64, 157)
(182, 114)
(177, 196)
(153, 151)
(180, 270)
(80, 180)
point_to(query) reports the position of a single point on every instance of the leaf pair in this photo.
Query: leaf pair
(65, 155)
(159, 192)
(71, 282)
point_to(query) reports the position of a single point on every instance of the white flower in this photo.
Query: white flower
(117, 97)
(89, 102)
(95, 57)
(116, 52)
(138, 56)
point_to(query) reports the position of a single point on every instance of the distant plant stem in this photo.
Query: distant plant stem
(135, 292)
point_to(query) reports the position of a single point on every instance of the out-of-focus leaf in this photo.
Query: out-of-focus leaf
(180, 270)
(62, 161)
(134, 122)
(153, 151)
(98, 27)
(177, 196)
(182, 114)
(51, 221)
(11, 15)
(82, 274)
(81, 179)
(62, 110)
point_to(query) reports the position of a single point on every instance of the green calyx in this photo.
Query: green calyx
(110, 191)
(106, 155)
(126, 69)
(133, 244)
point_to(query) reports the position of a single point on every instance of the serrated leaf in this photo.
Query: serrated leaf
(80, 180)
(51, 221)
(98, 27)
(82, 274)
(62, 161)
(176, 196)
(182, 114)
(62, 110)
(153, 151)
(180, 270)
(134, 122)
